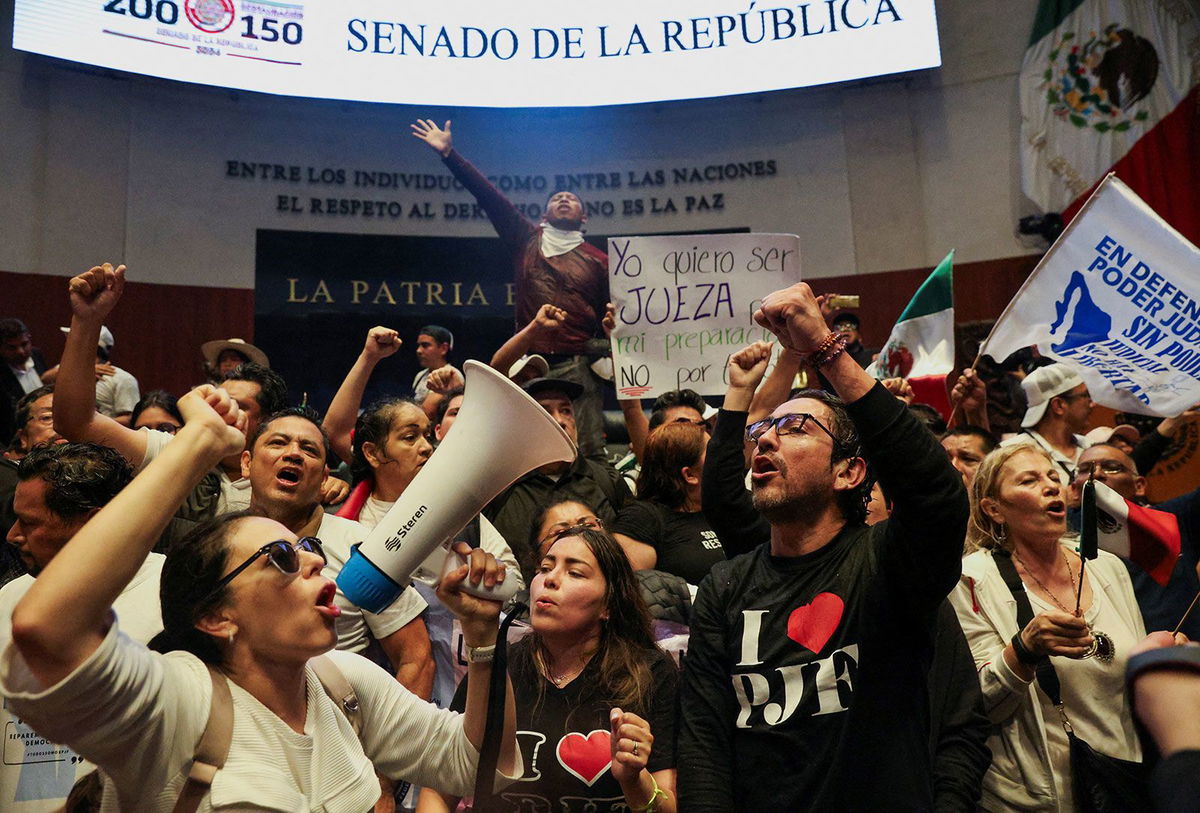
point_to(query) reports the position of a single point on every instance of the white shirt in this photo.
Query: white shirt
(36, 775)
(356, 626)
(420, 390)
(117, 394)
(138, 715)
(445, 633)
(27, 376)
(235, 494)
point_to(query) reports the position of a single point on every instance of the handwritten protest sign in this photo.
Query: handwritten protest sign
(1117, 297)
(686, 303)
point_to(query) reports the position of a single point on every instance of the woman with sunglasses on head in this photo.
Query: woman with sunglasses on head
(665, 528)
(556, 518)
(1081, 621)
(243, 595)
(595, 696)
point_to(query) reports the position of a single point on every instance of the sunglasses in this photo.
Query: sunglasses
(791, 424)
(561, 529)
(281, 553)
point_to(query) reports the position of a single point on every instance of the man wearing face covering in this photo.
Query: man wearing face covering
(553, 265)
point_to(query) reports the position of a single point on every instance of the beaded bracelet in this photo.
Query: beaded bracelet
(833, 346)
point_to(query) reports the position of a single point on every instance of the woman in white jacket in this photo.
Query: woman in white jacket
(245, 596)
(1018, 511)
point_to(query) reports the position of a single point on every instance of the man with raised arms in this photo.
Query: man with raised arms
(804, 686)
(553, 265)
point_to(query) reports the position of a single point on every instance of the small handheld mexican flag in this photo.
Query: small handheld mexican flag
(921, 347)
(1148, 538)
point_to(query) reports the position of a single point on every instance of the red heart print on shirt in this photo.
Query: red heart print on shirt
(813, 624)
(586, 757)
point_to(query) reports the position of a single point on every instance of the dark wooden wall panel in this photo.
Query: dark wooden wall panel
(981, 290)
(158, 328)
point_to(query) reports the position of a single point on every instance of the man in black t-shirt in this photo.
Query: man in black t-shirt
(804, 686)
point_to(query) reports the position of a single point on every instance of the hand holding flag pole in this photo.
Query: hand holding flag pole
(955, 403)
(1088, 537)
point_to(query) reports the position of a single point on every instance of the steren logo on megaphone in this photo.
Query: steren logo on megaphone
(393, 543)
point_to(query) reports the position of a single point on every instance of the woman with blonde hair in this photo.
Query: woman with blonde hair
(1024, 600)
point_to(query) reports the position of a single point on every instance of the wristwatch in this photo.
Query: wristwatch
(480, 654)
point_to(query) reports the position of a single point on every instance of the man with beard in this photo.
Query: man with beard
(805, 681)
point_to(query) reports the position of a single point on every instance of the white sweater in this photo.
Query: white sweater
(1021, 777)
(139, 714)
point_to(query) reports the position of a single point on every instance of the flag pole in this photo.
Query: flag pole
(1186, 613)
(1088, 529)
(954, 406)
(1049, 251)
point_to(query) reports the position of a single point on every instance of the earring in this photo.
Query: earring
(1001, 534)
(231, 634)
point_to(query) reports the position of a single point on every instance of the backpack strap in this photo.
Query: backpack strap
(335, 684)
(213, 747)
(214, 743)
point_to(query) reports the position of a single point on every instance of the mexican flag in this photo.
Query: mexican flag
(921, 347)
(1148, 538)
(1113, 85)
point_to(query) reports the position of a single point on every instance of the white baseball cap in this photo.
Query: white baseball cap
(1043, 384)
(106, 337)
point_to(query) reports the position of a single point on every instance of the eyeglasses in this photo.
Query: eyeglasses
(44, 418)
(1106, 466)
(281, 553)
(561, 529)
(791, 424)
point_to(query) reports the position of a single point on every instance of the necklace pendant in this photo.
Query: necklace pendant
(1102, 649)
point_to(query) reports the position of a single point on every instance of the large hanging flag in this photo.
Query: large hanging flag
(1147, 537)
(1117, 297)
(921, 347)
(1113, 85)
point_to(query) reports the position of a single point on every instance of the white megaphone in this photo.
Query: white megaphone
(500, 435)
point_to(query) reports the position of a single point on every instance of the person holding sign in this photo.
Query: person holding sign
(805, 683)
(553, 265)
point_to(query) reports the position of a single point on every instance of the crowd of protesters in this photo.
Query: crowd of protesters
(808, 599)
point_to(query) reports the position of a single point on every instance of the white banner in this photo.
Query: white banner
(489, 54)
(1117, 297)
(686, 303)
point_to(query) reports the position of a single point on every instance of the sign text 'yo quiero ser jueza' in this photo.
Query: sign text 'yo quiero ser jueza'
(686, 303)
